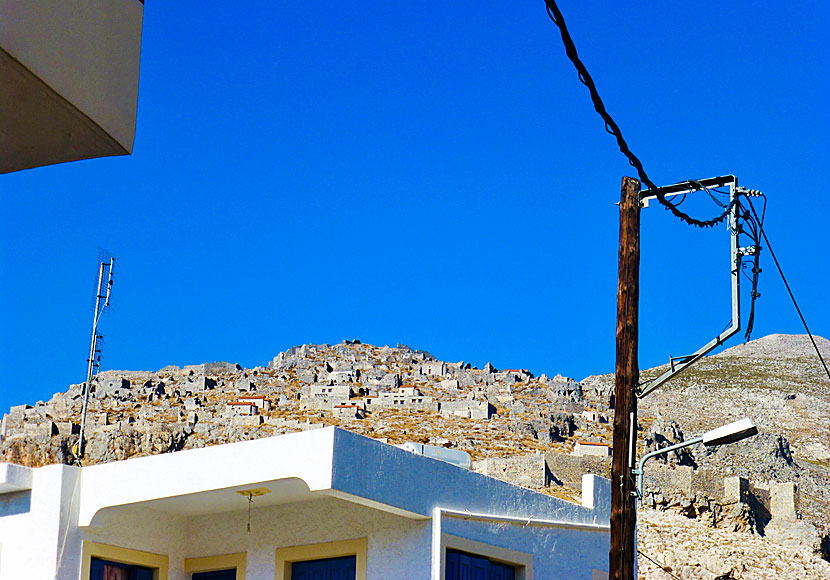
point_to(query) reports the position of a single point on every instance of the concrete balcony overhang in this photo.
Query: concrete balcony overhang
(327, 462)
(68, 80)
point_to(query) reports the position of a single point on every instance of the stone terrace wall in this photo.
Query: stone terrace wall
(568, 469)
(525, 470)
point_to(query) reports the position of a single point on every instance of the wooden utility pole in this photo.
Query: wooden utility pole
(623, 554)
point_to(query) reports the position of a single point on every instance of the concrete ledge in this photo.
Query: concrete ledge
(14, 478)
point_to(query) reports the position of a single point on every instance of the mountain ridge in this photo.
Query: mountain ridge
(513, 424)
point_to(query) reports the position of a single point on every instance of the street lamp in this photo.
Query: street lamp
(722, 435)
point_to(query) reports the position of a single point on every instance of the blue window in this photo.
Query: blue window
(325, 569)
(106, 570)
(215, 575)
(463, 566)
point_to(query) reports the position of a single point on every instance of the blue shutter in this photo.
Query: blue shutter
(312, 570)
(96, 569)
(325, 569)
(501, 572)
(461, 566)
(478, 568)
(464, 567)
(214, 575)
(147, 574)
(451, 566)
(341, 568)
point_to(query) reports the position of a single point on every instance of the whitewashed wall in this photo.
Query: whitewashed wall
(558, 553)
(395, 543)
(33, 523)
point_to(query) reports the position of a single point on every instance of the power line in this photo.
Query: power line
(753, 227)
(585, 77)
(612, 127)
(756, 224)
(789, 290)
(661, 566)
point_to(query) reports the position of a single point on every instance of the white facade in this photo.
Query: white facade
(434, 368)
(315, 494)
(590, 415)
(261, 402)
(594, 449)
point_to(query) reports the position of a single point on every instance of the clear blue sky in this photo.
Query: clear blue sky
(430, 173)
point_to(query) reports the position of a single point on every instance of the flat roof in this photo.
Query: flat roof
(301, 466)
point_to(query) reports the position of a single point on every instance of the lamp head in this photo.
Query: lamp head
(730, 433)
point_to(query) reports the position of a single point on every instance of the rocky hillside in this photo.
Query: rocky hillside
(515, 425)
(779, 383)
(675, 546)
(397, 394)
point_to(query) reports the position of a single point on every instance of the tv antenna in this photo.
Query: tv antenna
(103, 289)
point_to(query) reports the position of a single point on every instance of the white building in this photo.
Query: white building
(242, 408)
(406, 396)
(338, 392)
(592, 448)
(271, 508)
(261, 403)
(591, 415)
(433, 369)
(468, 409)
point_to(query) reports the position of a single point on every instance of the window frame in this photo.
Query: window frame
(285, 557)
(238, 561)
(158, 563)
(522, 562)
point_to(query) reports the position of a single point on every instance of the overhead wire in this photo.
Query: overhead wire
(752, 227)
(787, 285)
(755, 222)
(682, 199)
(611, 126)
(659, 565)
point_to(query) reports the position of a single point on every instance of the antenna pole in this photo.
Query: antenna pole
(622, 555)
(90, 369)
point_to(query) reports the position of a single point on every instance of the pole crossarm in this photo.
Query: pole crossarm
(689, 186)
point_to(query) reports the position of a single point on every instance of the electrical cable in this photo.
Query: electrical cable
(708, 191)
(665, 569)
(753, 225)
(611, 127)
(787, 285)
(682, 199)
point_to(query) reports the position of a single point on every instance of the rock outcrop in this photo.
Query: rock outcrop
(738, 511)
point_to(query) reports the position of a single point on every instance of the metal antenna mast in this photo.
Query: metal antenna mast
(102, 293)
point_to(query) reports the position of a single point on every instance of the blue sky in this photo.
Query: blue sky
(425, 173)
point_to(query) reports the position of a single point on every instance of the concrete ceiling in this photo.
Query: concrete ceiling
(224, 500)
(39, 127)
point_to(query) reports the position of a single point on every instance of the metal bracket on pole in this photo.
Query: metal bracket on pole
(678, 364)
(638, 472)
